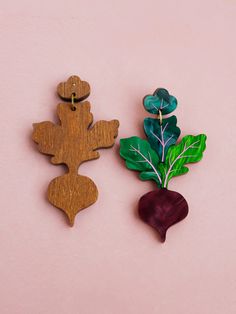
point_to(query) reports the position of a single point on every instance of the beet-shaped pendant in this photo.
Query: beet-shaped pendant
(160, 158)
(71, 142)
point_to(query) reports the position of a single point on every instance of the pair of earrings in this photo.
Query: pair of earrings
(159, 158)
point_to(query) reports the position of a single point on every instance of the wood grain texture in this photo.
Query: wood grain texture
(74, 85)
(72, 142)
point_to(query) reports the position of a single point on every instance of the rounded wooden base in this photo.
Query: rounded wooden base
(72, 193)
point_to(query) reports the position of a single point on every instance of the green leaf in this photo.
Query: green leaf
(160, 100)
(139, 156)
(189, 150)
(161, 137)
(150, 175)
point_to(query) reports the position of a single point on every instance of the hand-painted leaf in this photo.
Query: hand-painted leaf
(139, 155)
(160, 100)
(189, 150)
(161, 136)
(150, 175)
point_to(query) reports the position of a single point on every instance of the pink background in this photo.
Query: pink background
(111, 262)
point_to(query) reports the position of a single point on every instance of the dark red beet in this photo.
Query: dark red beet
(161, 209)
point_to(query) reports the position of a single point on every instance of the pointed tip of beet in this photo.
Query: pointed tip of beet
(71, 218)
(161, 209)
(162, 235)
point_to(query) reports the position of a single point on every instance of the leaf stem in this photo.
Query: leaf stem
(154, 169)
(177, 158)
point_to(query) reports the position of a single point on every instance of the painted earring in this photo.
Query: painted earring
(72, 142)
(160, 158)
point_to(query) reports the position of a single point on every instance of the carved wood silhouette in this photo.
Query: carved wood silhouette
(72, 142)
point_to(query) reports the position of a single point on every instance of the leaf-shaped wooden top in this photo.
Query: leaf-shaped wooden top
(74, 141)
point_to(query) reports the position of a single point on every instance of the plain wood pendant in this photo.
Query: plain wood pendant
(72, 142)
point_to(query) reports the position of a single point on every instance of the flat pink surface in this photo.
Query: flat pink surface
(111, 262)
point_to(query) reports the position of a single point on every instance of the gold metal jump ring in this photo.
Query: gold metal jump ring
(160, 116)
(73, 102)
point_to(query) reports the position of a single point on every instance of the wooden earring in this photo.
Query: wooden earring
(160, 159)
(72, 142)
